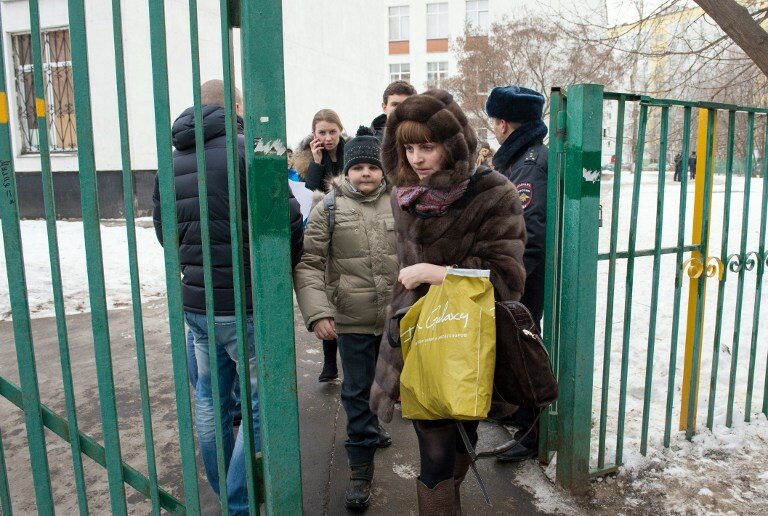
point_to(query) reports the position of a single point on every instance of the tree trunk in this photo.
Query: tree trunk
(739, 25)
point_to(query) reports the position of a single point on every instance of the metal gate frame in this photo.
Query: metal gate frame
(274, 474)
(576, 125)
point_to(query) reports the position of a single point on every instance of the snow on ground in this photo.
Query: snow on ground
(722, 470)
(73, 266)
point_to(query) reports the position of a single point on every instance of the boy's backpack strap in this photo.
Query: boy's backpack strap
(329, 201)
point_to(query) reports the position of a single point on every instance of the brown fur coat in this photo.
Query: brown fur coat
(483, 230)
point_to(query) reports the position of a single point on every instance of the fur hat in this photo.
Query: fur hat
(449, 127)
(515, 104)
(363, 148)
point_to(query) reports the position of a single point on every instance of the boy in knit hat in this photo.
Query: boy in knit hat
(343, 286)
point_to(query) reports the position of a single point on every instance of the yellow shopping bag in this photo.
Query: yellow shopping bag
(449, 349)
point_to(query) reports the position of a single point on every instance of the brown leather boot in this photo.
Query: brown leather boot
(437, 501)
(460, 468)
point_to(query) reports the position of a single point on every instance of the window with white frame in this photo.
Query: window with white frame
(437, 20)
(59, 94)
(400, 72)
(477, 15)
(436, 72)
(399, 23)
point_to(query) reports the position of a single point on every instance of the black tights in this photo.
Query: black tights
(439, 443)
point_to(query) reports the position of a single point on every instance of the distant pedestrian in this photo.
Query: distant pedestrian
(485, 156)
(678, 166)
(293, 175)
(692, 165)
(343, 286)
(394, 94)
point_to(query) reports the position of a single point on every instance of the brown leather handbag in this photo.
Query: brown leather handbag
(523, 374)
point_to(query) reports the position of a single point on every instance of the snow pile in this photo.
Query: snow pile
(73, 267)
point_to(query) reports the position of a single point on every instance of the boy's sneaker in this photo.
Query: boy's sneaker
(357, 497)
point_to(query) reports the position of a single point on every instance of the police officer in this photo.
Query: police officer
(515, 113)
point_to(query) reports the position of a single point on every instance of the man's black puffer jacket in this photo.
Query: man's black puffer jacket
(188, 212)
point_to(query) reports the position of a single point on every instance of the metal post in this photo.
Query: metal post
(697, 271)
(581, 201)
(264, 100)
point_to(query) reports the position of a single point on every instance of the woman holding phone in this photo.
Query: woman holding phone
(319, 159)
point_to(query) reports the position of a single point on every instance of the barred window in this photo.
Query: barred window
(59, 94)
(400, 72)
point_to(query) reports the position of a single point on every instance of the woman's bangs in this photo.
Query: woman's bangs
(410, 132)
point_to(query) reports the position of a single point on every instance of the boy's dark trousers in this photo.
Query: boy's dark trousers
(358, 361)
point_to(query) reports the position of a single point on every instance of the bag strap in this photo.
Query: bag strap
(397, 316)
(473, 457)
(329, 201)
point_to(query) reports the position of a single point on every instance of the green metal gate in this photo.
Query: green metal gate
(667, 246)
(273, 475)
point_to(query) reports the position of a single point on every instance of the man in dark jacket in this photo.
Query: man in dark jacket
(692, 165)
(394, 94)
(678, 167)
(515, 113)
(193, 286)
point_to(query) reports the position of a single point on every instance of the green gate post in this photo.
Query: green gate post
(557, 118)
(578, 283)
(264, 99)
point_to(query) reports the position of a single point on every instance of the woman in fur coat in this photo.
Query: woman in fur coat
(447, 213)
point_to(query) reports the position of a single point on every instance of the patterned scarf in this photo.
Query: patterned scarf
(429, 202)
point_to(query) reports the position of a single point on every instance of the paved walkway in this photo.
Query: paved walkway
(324, 465)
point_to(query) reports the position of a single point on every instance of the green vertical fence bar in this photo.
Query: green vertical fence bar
(630, 280)
(53, 251)
(133, 262)
(721, 285)
(741, 268)
(761, 258)
(91, 229)
(264, 89)
(678, 276)
(17, 286)
(170, 236)
(699, 327)
(236, 185)
(547, 435)
(205, 237)
(611, 280)
(655, 285)
(5, 490)
(579, 283)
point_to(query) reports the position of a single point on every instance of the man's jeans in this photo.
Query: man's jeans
(192, 369)
(234, 457)
(358, 360)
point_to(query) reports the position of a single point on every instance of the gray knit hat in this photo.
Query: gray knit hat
(363, 148)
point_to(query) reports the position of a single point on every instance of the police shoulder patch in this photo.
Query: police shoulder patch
(525, 191)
